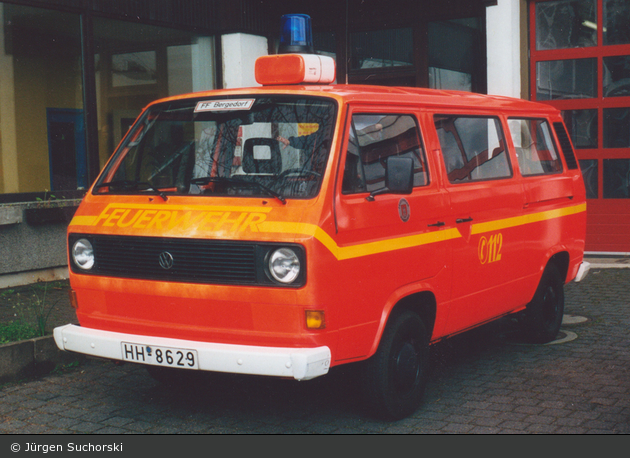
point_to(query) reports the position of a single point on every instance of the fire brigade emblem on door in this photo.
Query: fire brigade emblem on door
(166, 260)
(403, 210)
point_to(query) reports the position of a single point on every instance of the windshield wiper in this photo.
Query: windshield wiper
(234, 181)
(132, 185)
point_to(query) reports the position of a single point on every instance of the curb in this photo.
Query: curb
(609, 265)
(608, 262)
(32, 357)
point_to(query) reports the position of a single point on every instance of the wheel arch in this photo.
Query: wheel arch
(561, 261)
(423, 303)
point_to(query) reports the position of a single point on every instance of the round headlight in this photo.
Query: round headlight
(284, 265)
(83, 254)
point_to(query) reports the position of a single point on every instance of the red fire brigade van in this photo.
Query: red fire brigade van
(286, 229)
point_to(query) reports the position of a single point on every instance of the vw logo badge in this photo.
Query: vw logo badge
(166, 260)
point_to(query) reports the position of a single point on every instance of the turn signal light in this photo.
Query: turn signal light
(73, 299)
(315, 319)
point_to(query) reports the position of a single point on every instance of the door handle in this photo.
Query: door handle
(438, 224)
(463, 220)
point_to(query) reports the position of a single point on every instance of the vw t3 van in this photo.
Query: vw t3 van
(290, 228)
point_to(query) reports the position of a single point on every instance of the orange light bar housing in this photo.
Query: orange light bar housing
(295, 69)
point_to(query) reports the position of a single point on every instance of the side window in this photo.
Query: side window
(473, 148)
(536, 151)
(373, 138)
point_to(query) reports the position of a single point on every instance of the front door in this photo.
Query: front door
(395, 241)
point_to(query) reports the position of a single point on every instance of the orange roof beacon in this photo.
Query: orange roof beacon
(286, 229)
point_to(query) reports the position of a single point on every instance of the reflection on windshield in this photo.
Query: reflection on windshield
(277, 146)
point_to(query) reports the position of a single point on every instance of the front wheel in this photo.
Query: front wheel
(395, 377)
(543, 316)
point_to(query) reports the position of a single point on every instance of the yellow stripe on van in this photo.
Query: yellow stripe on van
(340, 252)
(490, 226)
(83, 220)
(366, 249)
(362, 249)
(382, 246)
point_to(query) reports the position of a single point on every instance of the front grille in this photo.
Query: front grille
(189, 260)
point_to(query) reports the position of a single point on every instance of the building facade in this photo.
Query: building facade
(75, 73)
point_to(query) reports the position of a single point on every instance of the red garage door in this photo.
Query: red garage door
(580, 63)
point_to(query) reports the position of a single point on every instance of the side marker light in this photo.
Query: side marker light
(315, 319)
(73, 299)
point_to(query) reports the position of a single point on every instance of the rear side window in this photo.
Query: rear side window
(565, 144)
(375, 137)
(536, 151)
(473, 148)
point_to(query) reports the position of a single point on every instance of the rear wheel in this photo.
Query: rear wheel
(543, 316)
(395, 377)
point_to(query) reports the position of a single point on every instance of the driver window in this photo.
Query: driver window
(375, 137)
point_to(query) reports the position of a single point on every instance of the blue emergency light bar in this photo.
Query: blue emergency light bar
(296, 35)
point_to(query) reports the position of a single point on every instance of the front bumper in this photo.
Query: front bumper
(299, 363)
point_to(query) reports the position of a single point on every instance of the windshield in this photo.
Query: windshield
(260, 147)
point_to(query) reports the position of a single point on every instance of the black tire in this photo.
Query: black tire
(543, 316)
(394, 378)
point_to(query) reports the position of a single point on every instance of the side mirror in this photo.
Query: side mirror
(398, 177)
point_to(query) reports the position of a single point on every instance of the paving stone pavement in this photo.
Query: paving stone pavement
(483, 382)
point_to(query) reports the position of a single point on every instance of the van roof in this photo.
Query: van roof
(390, 94)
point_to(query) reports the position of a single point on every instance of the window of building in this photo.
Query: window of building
(408, 44)
(138, 63)
(566, 79)
(325, 43)
(42, 134)
(616, 76)
(616, 178)
(455, 53)
(615, 22)
(566, 24)
(382, 48)
(583, 126)
(43, 107)
(590, 173)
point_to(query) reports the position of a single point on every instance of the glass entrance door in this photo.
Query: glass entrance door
(66, 149)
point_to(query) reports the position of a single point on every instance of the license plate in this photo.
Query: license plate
(160, 356)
